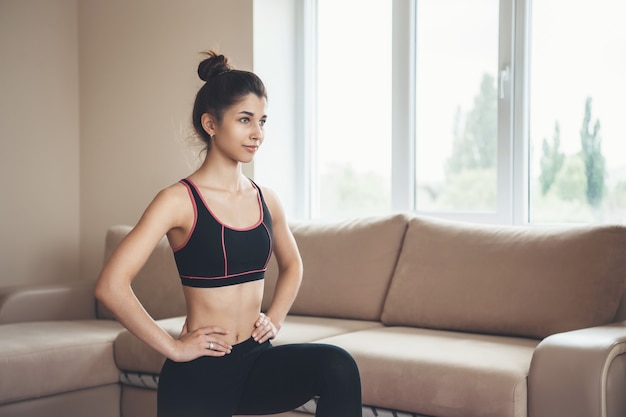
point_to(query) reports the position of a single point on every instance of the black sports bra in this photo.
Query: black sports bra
(216, 255)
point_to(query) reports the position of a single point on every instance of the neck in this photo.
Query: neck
(219, 174)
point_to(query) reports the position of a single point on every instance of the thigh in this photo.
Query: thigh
(196, 388)
(283, 378)
(207, 386)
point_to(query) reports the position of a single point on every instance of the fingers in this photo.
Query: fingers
(265, 329)
(203, 342)
(213, 345)
(216, 347)
(261, 320)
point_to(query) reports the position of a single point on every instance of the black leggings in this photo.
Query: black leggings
(262, 379)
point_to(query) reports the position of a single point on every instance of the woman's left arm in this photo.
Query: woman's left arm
(289, 272)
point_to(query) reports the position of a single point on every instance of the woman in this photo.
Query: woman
(223, 229)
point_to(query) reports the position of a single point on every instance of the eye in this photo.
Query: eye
(244, 119)
(262, 122)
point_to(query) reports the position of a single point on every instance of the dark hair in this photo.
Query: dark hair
(223, 87)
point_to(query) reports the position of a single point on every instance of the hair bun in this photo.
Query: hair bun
(213, 66)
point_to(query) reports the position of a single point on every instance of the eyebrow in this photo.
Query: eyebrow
(251, 114)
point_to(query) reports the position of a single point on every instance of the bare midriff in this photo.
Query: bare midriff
(234, 308)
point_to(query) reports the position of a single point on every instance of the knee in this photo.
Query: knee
(340, 362)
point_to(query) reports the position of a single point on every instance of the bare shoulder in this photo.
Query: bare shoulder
(269, 194)
(174, 193)
(169, 206)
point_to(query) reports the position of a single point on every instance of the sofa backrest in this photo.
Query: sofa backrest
(156, 285)
(347, 266)
(621, 310)
(415, 271)
(523, 281)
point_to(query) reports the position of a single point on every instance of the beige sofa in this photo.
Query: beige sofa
(445, 319)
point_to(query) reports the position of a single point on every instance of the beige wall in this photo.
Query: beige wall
(94, 119)
(39, 141)
(138, 79)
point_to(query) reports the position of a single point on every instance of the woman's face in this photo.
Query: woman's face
(240, 133)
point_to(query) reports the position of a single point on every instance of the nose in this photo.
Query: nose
(257, 133)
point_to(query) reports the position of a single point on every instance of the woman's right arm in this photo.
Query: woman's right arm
(114, 289)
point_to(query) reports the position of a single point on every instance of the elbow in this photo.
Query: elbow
(99, 292)
(102, 291)
(297, 273)
(291, 270)
(300, 268)
(294, 268)
(300, 274)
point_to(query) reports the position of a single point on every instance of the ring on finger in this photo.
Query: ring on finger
(211, 346)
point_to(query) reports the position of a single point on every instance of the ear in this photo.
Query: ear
(208, 123)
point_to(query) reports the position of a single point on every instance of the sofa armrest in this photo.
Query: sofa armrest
(581, 373)
(68, 301)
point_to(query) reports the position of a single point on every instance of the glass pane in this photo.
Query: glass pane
(353, 169)
(456, 105)
(577, 124)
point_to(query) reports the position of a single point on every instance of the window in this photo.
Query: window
(353, 144)
(456, 106)
(577, 125)
(488, 110)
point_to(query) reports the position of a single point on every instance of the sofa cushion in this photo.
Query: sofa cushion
(441, 373)
(301, 329)
(347, 266)
(522, 281)
(157, 285)
(100, 401)
(44, 358)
